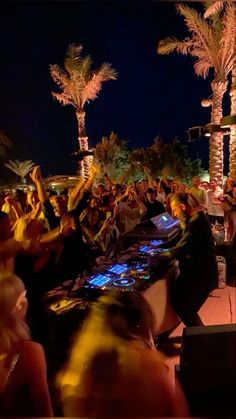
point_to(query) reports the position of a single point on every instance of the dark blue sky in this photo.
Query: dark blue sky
(153, 95)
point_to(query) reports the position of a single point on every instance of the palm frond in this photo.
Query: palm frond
(93, 87)
(79, 69)
(59, 75)
(106, 72)
(215, 7)
(63, 98)
(227, 43)
(196, 25)
(85, 67)
(20, 168)
(91, 90)
(202, 67)
(170, 44)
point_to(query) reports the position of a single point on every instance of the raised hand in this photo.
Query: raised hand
(35, 175)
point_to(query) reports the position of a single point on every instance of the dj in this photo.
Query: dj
(198, 272)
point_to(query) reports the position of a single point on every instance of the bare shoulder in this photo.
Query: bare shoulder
(29, 348)
(32, 357)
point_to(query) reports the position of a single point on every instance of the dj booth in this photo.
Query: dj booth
(162, 227)
(135, 269)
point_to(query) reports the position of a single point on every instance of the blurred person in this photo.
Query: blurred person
(214, 203)
(229, 207)
(28, 228)
(195, 252)
(153, 207)
(21, 197)
(8, 245)
(94, 203)
(73, 258)
(23, 376)
(117, 190)
(99, 191)
(35, 265)
(106, 206)
(59, 205)
(205, 185)
(2, 197)
(97, 233)
(165, 186)
(160, 194)
(128, 215)
(114, 369)
(174, 189)
(12, 207)
(198, 192)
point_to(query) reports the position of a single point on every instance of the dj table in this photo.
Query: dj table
(68, 305)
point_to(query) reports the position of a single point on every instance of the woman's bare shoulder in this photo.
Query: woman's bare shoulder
(30, 347)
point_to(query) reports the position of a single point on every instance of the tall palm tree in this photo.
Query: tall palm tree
(80, 84)
(21, 168)
(213, 47)
(216, 8)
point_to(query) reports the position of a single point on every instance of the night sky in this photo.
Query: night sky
(153, 94)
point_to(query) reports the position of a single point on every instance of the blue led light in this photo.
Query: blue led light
(99, 280)
(118, 269)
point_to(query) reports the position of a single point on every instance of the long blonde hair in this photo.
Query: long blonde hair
(13, 329)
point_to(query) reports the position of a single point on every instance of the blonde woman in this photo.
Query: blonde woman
(23, 379)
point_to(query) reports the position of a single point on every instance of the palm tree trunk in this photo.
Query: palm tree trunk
(83, 144)
(22, 179)
(232, 142)
(216, 141)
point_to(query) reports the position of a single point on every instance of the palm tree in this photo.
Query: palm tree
(21, 168)
(215, 8)
(5, 143)
(213, 47)
(79, 85)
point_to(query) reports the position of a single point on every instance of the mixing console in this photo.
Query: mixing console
(135, 274)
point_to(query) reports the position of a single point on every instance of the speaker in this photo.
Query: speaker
(207, 368)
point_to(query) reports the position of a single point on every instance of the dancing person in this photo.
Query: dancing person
(114, 369)
(23, 377)
(153, 207)
(130, 210)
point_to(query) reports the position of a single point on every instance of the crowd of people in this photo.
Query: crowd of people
(46, 239)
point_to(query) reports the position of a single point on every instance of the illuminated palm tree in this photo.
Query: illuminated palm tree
(215, 8)
(21, 168)
(213, 47)
(80, 84)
